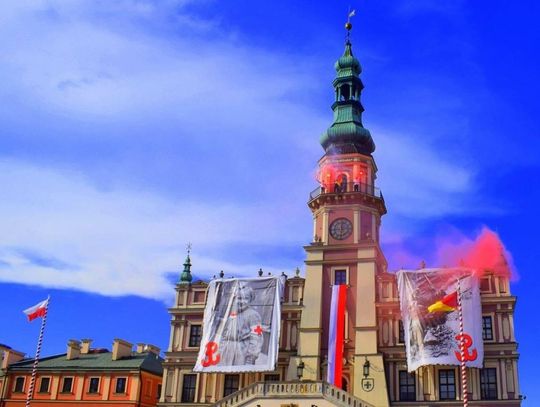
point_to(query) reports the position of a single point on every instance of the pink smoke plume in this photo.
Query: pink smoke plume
(485, 254)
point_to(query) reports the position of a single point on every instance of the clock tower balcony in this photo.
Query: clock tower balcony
(348, 193)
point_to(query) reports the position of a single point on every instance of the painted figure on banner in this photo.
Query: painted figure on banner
(429, 309)
(241, 325)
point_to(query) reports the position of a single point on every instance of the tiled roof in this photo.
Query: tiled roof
(147, 361)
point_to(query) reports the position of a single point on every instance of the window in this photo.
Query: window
(195, 334)
(488, 383)
(67, 384)
(231, 384)
(271, 378)
(44, 384)
(447, 384)
(487, 328)
(188, 388)
(120, 385)
(19, 385)
(401, 333)
(407, 386)
(93, 387)
(159, 387)
(340, 277)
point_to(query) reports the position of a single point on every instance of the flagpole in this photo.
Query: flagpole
(464, 381)
(38, 352)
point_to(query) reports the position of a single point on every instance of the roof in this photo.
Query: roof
(147, 361)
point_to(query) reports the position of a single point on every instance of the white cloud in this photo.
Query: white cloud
(60, 232)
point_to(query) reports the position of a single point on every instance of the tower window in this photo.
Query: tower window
(345, 92)
(488, 383)
(487, 328)
(195, 334)
(447, 384)
(340, 277)
(407, 386)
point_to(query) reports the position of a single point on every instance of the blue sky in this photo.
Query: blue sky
(131, 127)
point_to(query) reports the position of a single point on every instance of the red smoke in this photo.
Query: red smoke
(486, 254)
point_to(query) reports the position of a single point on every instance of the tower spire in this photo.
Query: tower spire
(347, 134)
(186, 277)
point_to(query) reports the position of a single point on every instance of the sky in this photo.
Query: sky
(132, 127)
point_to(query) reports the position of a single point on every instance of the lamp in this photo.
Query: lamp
(366, 368)
(300, 369)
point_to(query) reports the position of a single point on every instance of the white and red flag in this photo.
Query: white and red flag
(37, 310)
(336, 332)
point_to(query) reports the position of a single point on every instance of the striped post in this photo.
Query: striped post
(36, 359)
(464, 382)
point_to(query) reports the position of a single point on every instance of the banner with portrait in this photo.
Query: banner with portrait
(429, 310)
(241, 325)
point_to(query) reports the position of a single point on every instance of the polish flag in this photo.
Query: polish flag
(37, 311)
(336, 331)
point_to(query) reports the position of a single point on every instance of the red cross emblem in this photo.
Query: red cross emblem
(258, 330)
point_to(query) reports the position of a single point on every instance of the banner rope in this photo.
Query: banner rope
(464, 382)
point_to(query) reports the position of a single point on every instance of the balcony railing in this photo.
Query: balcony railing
(296, 390)
(349, 187)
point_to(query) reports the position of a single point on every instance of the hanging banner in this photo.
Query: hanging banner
(241, 325)
(429, 310)
(336, 331)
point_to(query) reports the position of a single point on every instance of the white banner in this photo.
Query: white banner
(428, 301)
(241, 325)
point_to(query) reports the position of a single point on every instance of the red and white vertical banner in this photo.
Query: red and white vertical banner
(336, 332)
(37, 311)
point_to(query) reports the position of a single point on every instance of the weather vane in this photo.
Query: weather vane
(348, 24)
(188, 247)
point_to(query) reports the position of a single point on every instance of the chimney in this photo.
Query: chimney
(140, 347)
(121, 349)
(9, 356)
(85, 345)
(152, 349)
(73, 349)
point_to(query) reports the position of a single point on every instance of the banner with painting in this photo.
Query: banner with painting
(241, 325)
(429, 310)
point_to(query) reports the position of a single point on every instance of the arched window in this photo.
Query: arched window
(345, 92)
(341, 183)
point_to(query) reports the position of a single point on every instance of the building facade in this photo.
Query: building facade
(347, 208)
(85, 377)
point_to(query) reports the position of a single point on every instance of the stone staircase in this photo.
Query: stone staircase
(290, 391)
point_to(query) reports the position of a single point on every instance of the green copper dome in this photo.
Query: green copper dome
(347, 64)
(347, 134)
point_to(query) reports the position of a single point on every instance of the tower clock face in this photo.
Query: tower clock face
(341, 229)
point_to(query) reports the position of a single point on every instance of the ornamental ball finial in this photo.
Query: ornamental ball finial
(348, 26)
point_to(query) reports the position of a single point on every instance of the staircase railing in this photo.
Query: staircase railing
(296, 390)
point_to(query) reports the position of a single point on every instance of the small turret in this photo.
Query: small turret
(186, 277)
